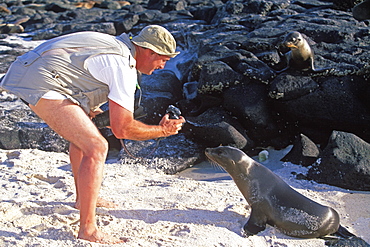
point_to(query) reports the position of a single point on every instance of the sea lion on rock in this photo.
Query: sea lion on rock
(14, 27)
(300, 56)
(273, 201)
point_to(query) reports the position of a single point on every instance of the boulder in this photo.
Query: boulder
(214, 77)
(159, 90)
(250, 105)
(230, 53)
(304, 152)
(170, 155)
(21, 128)
(344, 162)
(335, 103)
(361, 11)
(215, 127)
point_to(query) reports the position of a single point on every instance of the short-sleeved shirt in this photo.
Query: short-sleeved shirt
(114, 70)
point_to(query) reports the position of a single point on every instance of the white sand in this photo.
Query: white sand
(154, 209)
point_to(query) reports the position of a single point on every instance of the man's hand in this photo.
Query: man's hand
(171, 126)
(124, 126)
(95, 112)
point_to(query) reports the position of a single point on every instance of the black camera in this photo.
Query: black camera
(173, 111)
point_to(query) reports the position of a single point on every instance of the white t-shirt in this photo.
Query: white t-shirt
(115, 71)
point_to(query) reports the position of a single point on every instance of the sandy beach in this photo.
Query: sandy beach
(200, 206)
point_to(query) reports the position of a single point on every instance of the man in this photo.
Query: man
(65, 80)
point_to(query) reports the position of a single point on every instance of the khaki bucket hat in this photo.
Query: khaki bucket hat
(157, 39)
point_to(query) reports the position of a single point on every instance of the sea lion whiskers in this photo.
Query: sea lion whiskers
(222, 157)
(216, 165)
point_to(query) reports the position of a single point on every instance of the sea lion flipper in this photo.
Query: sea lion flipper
(311, 60)
(320, 72)
(343, 232)
(251, 229)
(344, 238)
(255, 223)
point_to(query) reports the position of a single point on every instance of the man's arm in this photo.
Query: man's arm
(124, 126)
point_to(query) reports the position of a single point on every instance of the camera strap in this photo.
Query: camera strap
(138, 113)
(122, 141)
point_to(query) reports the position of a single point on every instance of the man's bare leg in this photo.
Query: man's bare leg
(75, 155)
(71, 122)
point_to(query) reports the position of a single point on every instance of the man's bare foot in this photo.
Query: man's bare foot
(100, 237)
(100, 203)
(105, 203)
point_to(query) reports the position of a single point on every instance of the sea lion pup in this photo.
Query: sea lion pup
(14, 27)
(300, 56)
(272, 201)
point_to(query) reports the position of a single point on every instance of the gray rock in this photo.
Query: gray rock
(249, 104)
(128, 22)
(345, 162)
(337, 103)
(160, 90)
(20, 128)
(59, 6)
(361, 11)
(171, 155)
(216, 76)
(231, 49)
(215, 127)
(154, 16)
(304, 152)
(110, 5)
(289, 87)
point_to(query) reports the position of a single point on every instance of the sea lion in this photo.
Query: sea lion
(86, 5)
(14, 27)
(300, 55)
(273, 201)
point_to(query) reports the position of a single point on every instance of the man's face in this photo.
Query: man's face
(151, 62)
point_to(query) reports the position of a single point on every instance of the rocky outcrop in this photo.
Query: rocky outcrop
(345, 162)
(304, 152)
(361, 11)
(170, 155)
(21, 128)
(231, 55)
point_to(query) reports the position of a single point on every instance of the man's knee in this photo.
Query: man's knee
(98, 148)
(102, 145)
(105, 146)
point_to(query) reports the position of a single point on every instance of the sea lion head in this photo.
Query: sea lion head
(233, 160)
(293, 40)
